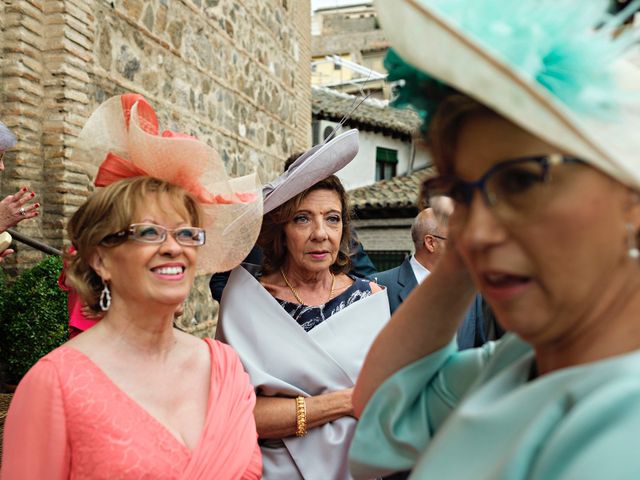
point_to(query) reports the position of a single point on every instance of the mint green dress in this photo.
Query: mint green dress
(476, 414)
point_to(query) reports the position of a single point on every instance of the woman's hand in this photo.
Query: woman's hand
(451, 265)
(15, 208)
(425, 322)
(276, 416)
(342, 397)
(5, 253)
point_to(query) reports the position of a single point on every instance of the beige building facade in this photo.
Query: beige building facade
(344, 38)
(235, 73)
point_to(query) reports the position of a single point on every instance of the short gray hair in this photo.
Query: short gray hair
(442, 208)
(425, 223)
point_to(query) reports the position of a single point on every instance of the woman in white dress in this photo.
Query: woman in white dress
(303, 327)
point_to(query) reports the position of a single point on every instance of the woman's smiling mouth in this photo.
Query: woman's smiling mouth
(169, 272)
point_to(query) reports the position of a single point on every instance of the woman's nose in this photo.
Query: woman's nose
(170, 246)
(319, 231)
(478, 228)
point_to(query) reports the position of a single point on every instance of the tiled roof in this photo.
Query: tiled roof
(395, 193)
(372, 115)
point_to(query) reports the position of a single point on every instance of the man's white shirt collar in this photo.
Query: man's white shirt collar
(419, 271)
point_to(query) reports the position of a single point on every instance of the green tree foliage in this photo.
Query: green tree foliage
(33, 317)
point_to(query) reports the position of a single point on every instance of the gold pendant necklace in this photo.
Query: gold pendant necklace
(295, 294)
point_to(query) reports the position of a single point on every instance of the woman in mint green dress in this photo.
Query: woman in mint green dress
(532, 109)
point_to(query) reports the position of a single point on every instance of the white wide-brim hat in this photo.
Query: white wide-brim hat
(311, 167)
(7, 139)
(540, 64)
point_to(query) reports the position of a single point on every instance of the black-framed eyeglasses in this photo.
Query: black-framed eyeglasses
(512, 186)
(151, 233)
(437, 236)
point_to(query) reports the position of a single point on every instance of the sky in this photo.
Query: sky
(315, 4)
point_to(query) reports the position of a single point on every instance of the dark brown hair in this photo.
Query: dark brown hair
(272, 237)
(111, 210)
(290, 159)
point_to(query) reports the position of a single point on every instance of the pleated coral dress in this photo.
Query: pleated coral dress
(68, 420)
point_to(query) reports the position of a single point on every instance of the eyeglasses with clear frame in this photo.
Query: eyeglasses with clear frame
(156, 234)
(513, 189)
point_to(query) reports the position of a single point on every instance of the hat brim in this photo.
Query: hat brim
(311, 167)
(430, 43)
(7, 138)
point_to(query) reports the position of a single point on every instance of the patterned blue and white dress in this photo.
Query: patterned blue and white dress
(310, 317)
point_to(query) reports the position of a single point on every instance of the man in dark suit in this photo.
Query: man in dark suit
(429, 239)
(429, 235)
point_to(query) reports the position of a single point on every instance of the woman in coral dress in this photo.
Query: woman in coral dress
(133, 397)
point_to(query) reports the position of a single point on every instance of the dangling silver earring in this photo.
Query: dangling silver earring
(105, 298)
(632, 242)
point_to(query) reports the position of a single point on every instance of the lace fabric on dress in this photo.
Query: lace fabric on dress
(69, 420)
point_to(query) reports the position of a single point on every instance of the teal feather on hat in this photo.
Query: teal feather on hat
(565, 46)
(418, 90)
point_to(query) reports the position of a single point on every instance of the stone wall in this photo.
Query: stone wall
(234, 73)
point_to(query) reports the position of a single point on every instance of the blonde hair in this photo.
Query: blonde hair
(110, 210)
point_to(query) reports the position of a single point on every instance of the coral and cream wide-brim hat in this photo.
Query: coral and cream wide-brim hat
(540, 64)
(121, 139)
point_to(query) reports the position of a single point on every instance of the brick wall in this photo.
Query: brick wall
(353, 43)
(234, 73)
(302, 75)
(385, 234)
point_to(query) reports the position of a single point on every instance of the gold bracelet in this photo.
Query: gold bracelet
(301, 417)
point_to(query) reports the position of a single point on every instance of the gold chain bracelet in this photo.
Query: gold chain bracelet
(301, 417)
